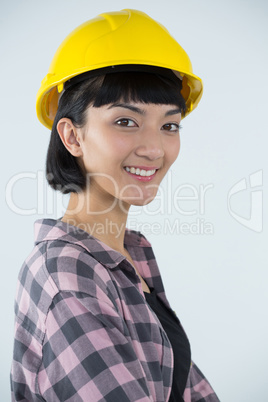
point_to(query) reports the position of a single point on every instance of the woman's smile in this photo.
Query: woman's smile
(141, 173)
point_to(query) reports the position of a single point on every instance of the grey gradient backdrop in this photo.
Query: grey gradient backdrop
(216, 281)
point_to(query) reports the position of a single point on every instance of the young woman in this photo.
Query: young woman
(92, 319)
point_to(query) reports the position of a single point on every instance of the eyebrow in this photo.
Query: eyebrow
(173, 111)
(140, 111)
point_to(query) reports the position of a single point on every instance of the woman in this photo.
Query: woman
(92, 319)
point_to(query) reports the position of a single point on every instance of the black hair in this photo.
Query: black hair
(63, 170)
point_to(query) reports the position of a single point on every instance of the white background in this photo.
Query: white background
(217, 283)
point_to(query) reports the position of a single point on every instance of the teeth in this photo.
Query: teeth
(140, 172)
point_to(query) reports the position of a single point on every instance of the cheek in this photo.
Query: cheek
(173, 150)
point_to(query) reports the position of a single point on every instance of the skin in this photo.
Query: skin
(116, 136)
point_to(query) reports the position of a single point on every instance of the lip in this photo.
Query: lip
(142, 178)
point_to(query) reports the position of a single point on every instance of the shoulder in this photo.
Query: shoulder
(53, 268)
(57, 265)
(73, 268)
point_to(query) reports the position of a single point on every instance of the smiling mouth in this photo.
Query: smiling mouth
(140, 172)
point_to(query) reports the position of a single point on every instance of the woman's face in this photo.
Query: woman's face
(127, 148)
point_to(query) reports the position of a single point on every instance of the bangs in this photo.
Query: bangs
(139, 87)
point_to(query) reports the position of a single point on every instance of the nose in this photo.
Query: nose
(151, 145)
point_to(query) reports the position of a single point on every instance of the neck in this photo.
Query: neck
(105, 219)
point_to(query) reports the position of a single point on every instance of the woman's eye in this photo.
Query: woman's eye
(126, 123)
(173, 127)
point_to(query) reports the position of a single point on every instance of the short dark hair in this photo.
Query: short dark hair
(62, 168)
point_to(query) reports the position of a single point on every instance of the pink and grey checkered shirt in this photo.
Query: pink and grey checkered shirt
(84, 331)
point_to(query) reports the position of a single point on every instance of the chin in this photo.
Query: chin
(141, 203)
(140, 199)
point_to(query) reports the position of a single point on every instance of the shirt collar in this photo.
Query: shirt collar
(51, 229)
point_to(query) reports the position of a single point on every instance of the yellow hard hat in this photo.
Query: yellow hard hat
(113, 39)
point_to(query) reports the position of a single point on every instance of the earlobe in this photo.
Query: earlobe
(69, 136)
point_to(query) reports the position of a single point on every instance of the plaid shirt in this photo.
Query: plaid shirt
(84, 331)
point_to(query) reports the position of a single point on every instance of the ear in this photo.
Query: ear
(69, 135)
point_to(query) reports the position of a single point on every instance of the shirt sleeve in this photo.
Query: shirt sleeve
(198, 388)
(88, 355)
